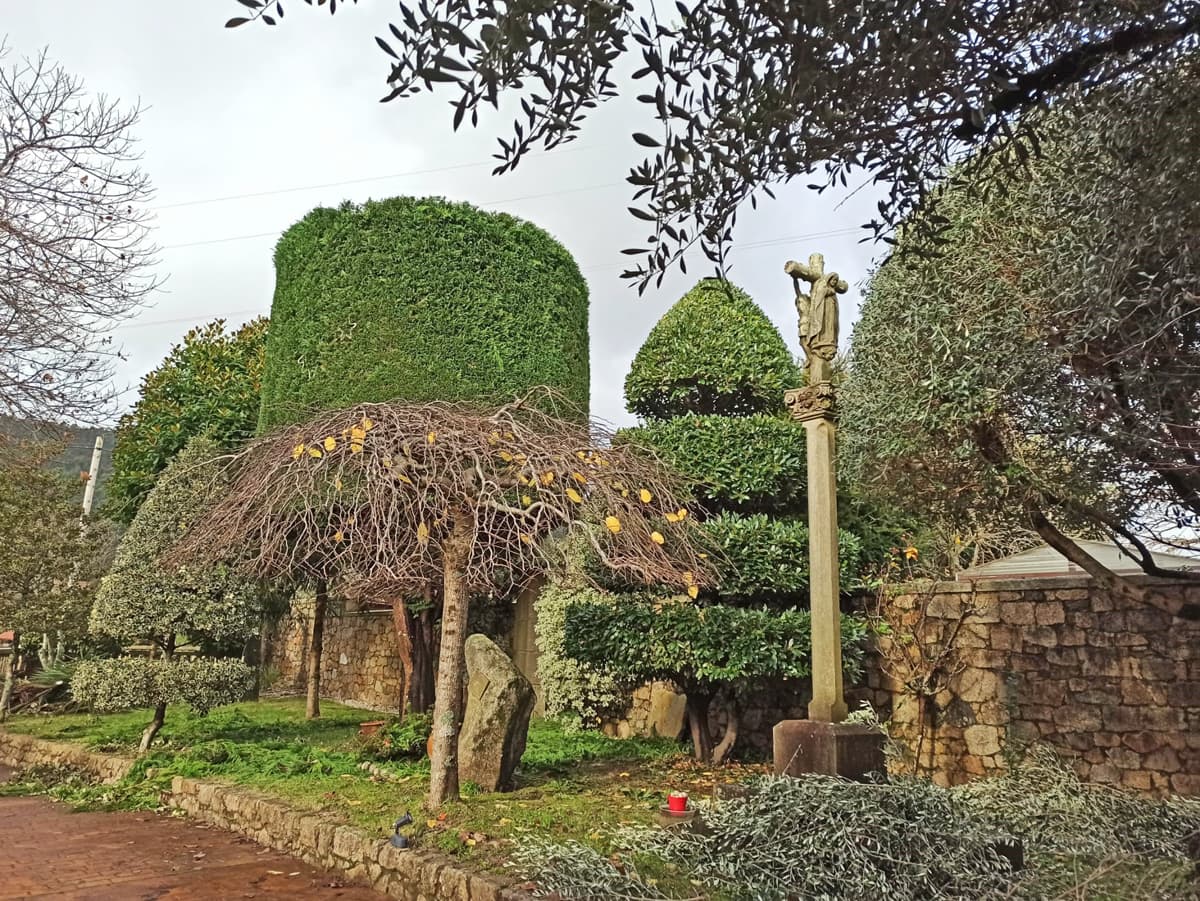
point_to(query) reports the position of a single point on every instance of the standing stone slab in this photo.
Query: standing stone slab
(496, 722)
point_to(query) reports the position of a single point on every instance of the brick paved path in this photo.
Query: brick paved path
(49, 852)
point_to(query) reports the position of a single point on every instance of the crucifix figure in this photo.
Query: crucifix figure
(818, 311)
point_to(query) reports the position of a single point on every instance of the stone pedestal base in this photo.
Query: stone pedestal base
(834, 749)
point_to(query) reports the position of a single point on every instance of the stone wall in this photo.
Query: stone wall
(360, 659)
(1113, 684)
(22, 752)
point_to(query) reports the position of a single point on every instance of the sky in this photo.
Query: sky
(244, 131)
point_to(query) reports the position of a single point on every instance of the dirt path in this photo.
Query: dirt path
(49, 852)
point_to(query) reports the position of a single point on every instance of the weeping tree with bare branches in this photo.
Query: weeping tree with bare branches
(397, 497)
(74, 247)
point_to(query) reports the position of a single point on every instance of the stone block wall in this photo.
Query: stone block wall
(360, 659)
(1113, 684)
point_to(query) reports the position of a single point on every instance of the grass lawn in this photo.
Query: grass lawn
(570, 785)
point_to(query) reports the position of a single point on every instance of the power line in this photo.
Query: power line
(358, 181)
(749, 245)
(269, 234)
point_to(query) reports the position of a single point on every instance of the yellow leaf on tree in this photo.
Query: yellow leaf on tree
(624, 492)
(356, 447)
(657, 537)
(911, 553)
(682, 514)
(506, 456)
(575, 495)
(330, 442)
(366, 424)
(387, 462)
(527, 539)
(526, 500)
(579, 477)
(547, 478)
(338, 535)
(688, 578)
(297, 451)
(422, 533)
(431, 437)
(337, 484)
(693, 591)
(358, 434)
(646, 496)
(315, 452)
(581, 455)
(672, 517)
(403, 478)
(494, 438)
(614, 524)
(522, 478)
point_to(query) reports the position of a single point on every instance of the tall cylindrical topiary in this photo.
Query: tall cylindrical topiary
(420, 299)
(142, 601)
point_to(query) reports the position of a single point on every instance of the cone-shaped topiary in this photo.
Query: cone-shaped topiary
(420, 299)
(715, 351)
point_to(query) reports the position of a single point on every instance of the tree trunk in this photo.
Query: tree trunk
(264, 653)
(697, 717)
(725, 747)
(421, 629)
(160, 714)
(448, 704)
(312, 708)
(405, 648)
(10, 676)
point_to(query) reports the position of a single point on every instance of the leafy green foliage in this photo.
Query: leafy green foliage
(570, 688)
(641, 639)
(751, 464)
(125, 682)
(742, 96)
(714, 351)
(208, 385)
(49, 561)
(1051, 358)
(419, 299)
(766, 559)
(140, 600)
(400, 739)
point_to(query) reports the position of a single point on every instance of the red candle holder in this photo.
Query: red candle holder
(677, 802)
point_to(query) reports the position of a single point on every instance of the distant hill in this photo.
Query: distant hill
(77, 454)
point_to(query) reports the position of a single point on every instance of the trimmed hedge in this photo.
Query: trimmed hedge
(714, 351)
(766, 559)
(639, 640)
(751, 464)
(420, 299)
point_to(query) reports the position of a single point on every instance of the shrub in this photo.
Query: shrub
(752, 464)
(420, 299)
(142, 600)
(125, 682)
(714, 351)
(570, 688)
(403, 739)
(766, 559)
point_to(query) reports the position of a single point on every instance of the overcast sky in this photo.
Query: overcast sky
(291, 114)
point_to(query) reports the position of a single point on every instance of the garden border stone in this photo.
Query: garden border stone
(410, 875)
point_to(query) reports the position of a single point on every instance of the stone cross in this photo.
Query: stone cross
(814, 406)
(818, 311)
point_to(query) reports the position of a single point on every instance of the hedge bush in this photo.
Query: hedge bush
(640, 639)
(576, 690)
(127, 682)
(752, 464)
(714, 351)
(420, 299)
(766, 559)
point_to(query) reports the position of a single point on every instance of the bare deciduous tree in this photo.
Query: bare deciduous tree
(387, 499)
(74, 247)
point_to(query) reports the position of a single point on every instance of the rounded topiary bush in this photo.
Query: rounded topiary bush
(420, 299)
(715, 351)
